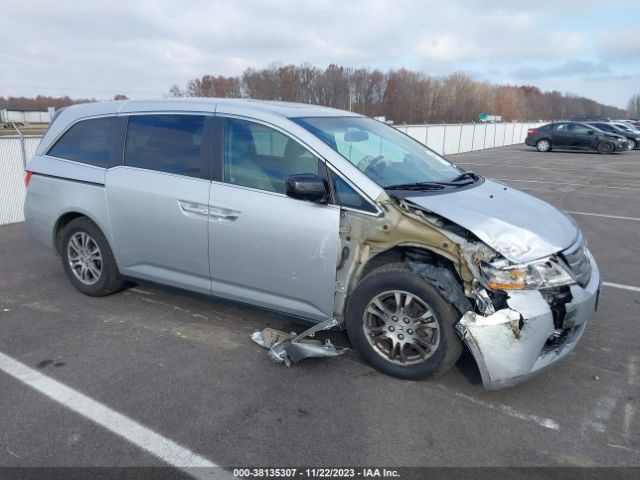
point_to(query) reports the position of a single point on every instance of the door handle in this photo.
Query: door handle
(220, 214)
(195, 208)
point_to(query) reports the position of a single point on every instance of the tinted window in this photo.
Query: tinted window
(88, 141)
(260, 157)
(346, 196)
(606, 127)
(580, 129)
(562, 127)
(166, 143)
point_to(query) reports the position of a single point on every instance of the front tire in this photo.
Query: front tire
(400, 325)
(605, 148)
(632, 144)
(87, 259)
(543, 145)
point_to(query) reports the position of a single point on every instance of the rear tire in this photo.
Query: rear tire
(632, 144)
(410, 335)
(543, 145)
(87, 259)
(605, 148)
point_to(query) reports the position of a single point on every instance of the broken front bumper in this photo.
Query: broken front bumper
(513, 344)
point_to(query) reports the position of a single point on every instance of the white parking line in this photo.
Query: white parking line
(512, 412)
(621, 286)
(565, 183)
(166, 450)
(603, 215)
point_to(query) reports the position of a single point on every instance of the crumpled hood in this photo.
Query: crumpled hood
(517, 225)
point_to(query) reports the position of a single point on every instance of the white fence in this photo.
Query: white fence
(13, 153)
(445, 139)
(449, 139)
(21, 117)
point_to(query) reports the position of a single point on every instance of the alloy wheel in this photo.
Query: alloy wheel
(401, 328)
(85, 258)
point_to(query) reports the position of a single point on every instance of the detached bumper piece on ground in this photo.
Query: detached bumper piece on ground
(290, 348)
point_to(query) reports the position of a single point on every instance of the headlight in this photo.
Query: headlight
(547, 273)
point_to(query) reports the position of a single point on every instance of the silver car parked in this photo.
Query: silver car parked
(321, 214)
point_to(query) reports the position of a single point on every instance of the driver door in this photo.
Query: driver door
(266, 248)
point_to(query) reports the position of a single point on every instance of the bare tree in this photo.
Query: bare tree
(400, 95)
(633, 107)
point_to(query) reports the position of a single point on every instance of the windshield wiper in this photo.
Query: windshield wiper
(468, 175)
(456, 182)
(416, 186)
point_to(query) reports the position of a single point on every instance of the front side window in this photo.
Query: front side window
(166, 143)
(347, 196)
(261, 157)
(381, 152)
(581, 129)
(88, 141)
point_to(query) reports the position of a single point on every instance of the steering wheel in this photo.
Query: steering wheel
(368, 163)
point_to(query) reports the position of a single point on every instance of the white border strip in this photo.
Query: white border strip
(603, 215)
(563, 183)
(621, 286)
(166, 450)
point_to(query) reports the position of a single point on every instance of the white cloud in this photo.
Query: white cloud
(141, 48)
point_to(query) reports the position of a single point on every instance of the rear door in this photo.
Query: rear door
(157, 200)
(266, 248)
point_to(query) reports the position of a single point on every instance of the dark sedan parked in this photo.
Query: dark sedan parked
(574, 136)
(632, 136)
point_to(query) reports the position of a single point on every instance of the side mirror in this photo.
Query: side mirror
(589, 132)
(306, 186)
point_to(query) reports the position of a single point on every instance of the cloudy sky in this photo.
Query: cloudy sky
(140, 48)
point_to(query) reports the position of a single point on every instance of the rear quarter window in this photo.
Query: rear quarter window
(88, 141)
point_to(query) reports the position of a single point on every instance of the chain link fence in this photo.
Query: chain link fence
(446, 139)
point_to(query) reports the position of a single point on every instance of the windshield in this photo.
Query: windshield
(385, 155)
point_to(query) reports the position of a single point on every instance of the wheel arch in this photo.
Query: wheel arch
(64, 219)
(450, 284)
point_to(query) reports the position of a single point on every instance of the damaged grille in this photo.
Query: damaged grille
(578, 260)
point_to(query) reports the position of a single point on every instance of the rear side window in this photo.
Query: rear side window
(166, 143)
(88, 141)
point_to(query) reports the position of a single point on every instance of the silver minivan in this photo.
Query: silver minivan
(321, 214)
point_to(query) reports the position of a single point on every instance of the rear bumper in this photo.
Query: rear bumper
(511, 345)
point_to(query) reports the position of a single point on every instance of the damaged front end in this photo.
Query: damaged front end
(523, 303)
(519, 333)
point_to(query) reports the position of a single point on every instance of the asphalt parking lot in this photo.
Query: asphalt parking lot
(184, 367)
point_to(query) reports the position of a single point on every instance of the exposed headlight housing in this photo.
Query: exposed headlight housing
(546, 273)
